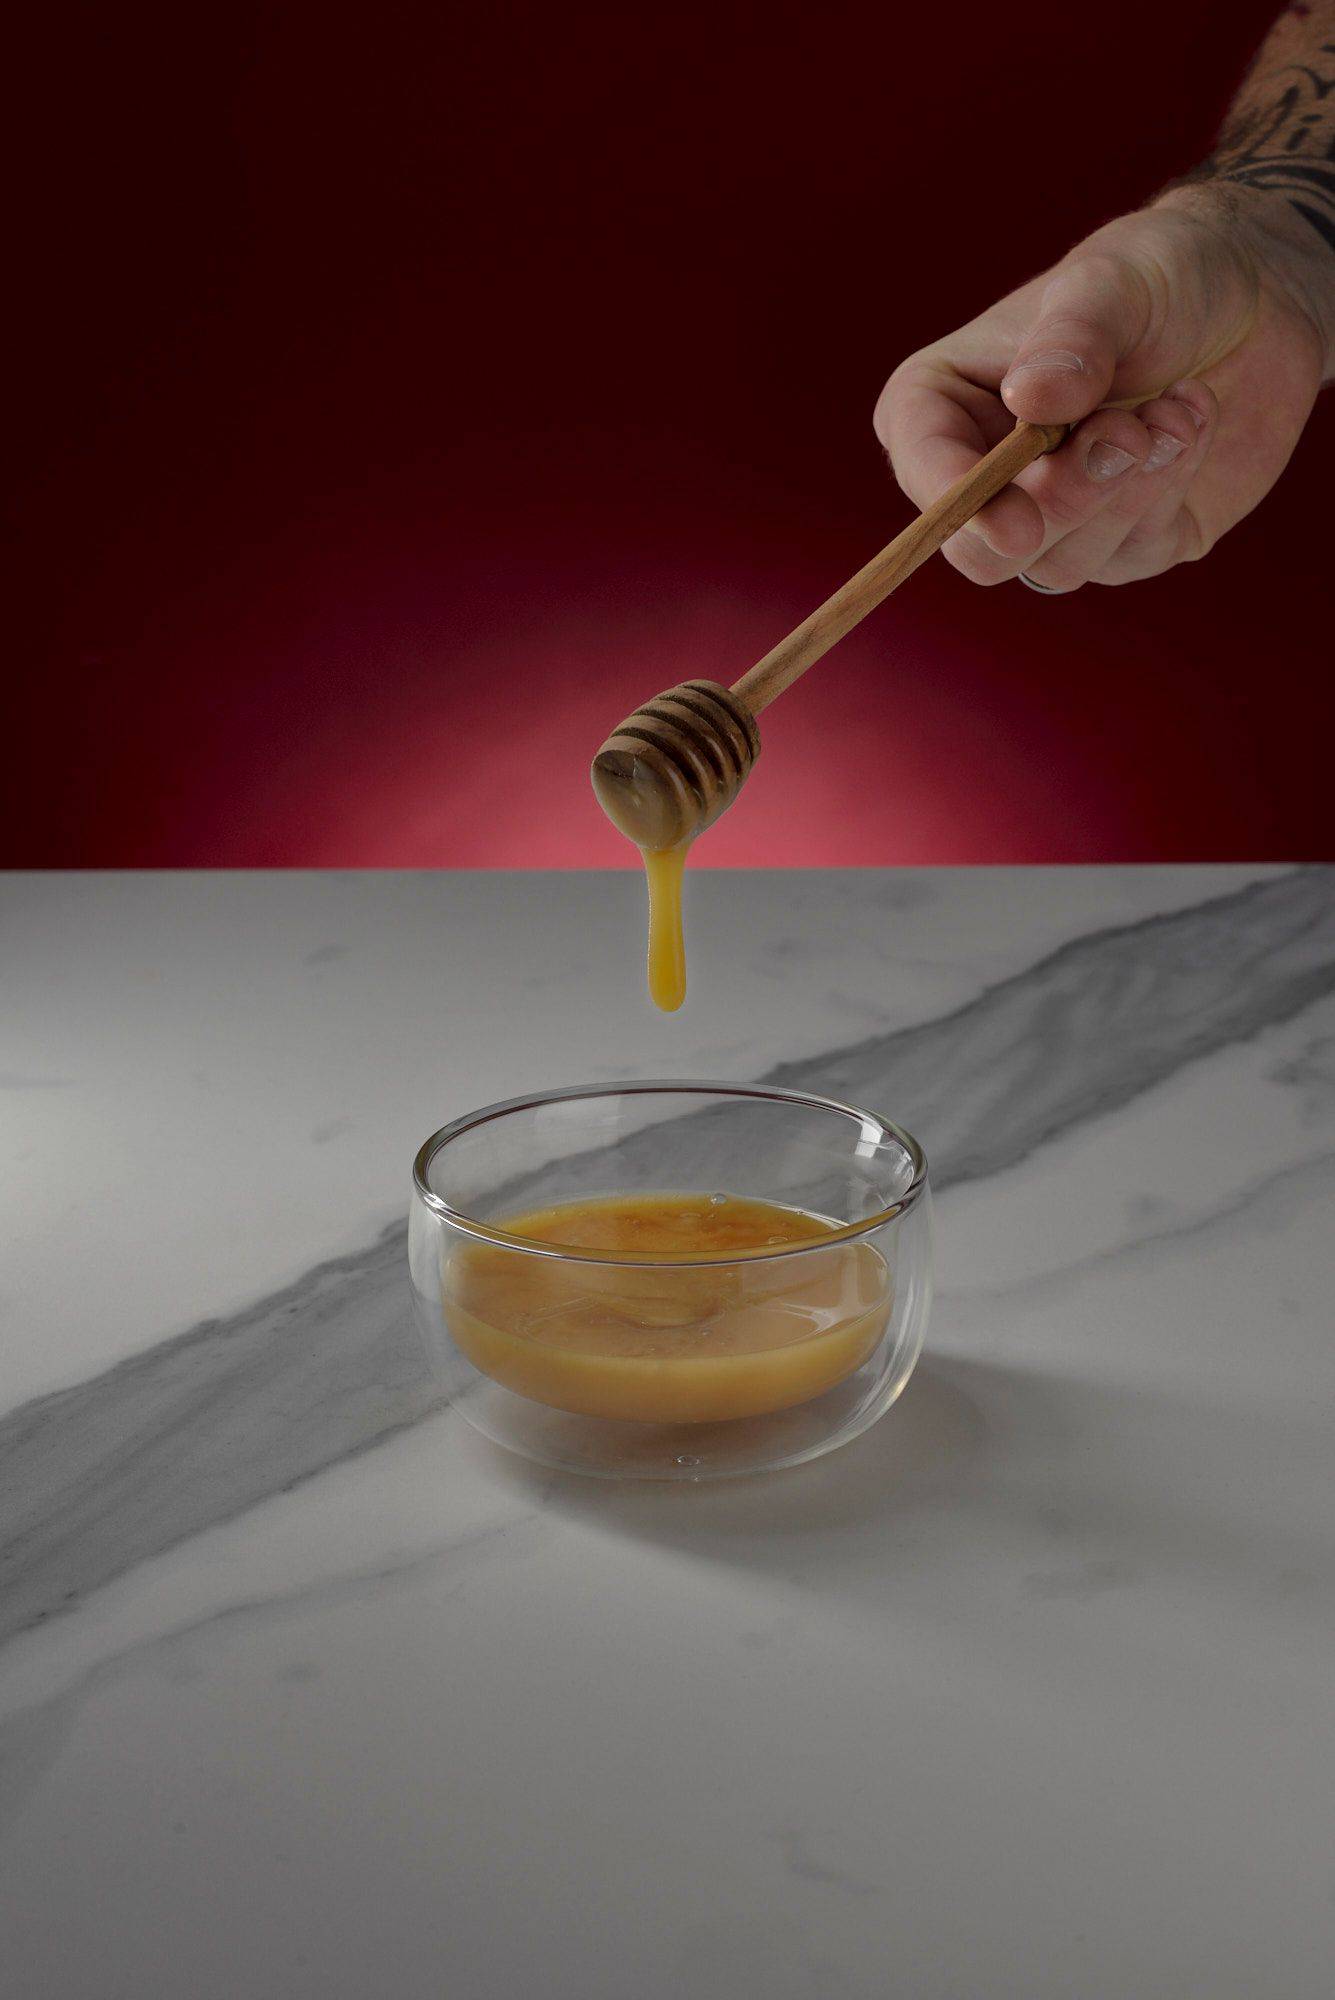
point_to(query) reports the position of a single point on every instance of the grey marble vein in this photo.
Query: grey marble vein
(1312, 1073)
(1267, 1204)
(1092, 1026)
(30, 1737)
(102, 1476)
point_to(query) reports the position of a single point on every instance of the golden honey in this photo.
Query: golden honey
(696, 1342)
(667, 948)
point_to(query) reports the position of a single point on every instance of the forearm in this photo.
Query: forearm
(1273, 167)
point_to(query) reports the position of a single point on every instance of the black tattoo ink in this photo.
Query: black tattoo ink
(1287, 145)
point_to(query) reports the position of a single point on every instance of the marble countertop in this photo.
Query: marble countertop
(306, 1690)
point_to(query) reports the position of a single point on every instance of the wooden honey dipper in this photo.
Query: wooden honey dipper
(677, 763)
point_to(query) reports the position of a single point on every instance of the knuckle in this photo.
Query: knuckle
(1097, 261)
(1085, 275)
(1024, 547)
(1146, 541)
(1193, 542)
(912, 488)
(903, 378)
(1058, 573)
(1011, 535)
(1103, 290)
(1149, 548)
(1064, 505)
(973, 559)
(908, 368)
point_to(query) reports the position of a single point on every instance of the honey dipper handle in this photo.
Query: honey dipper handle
(863, 592)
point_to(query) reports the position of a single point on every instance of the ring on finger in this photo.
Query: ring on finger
(1043, 589)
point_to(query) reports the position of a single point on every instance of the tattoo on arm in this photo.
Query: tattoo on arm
(1280, 132)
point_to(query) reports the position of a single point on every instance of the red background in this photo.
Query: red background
(409, 393)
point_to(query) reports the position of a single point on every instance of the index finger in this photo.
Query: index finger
(935, 425)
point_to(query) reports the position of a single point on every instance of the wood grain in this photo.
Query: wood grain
(674, 765)
(784, 663)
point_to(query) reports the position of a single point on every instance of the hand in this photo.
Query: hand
(1184, 313)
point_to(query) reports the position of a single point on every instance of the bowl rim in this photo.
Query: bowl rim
(658, 1086)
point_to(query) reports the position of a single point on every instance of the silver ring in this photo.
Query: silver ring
(1043, 589)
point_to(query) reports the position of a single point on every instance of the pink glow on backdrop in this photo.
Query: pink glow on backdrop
(957, 725)
(410, 398)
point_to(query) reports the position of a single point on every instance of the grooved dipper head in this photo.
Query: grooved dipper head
(674, 765)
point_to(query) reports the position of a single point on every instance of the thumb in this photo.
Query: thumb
(1092, 315)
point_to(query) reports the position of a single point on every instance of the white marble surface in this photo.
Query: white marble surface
(306, 1690)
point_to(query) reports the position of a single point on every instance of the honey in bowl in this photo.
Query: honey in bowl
(697, 1342)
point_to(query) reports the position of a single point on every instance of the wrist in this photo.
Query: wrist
(1288, 256)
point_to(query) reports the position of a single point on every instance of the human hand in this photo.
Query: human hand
(1184, 313)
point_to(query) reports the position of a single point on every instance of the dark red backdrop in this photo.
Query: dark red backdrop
(412, 391)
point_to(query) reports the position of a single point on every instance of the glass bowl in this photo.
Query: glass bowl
(654, 1362)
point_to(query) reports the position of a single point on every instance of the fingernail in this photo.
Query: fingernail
(1106, 461)
(1164, 449)
(1175, 396)
(977, 544)
(1059, 358)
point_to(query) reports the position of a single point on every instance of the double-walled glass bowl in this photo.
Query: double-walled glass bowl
(692, 1365)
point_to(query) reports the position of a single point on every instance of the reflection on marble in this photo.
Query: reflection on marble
(1026, 1692)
